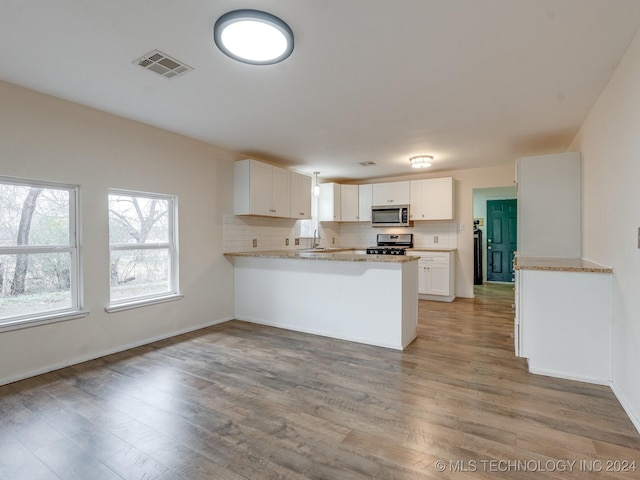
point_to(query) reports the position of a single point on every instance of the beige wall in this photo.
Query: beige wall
(610, 146)
(465, 182)
(45, 138)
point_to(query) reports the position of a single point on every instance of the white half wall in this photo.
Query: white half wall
(45, 138)
(610, 146)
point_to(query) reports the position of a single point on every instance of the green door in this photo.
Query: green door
(502, 221)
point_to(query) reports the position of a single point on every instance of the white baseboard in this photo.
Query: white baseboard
(578, 378)
(633, 416)
(104, 353)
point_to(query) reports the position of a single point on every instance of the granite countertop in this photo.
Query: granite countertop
(335, 255)
(553, 264)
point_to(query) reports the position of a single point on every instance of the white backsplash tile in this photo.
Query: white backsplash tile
(239, 232)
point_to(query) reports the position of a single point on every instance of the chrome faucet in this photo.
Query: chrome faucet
(316, 239)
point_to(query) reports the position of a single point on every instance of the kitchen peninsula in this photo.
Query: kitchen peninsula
(371, 299)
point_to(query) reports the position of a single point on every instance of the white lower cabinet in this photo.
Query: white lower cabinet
(436, 276)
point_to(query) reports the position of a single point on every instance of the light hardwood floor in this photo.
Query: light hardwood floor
(240, 401)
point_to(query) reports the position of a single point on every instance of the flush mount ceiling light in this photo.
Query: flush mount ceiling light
(421, 161)
(253, 36)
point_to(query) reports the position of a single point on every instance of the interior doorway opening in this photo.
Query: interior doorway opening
(480, 214)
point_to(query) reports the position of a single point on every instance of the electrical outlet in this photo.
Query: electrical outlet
(297, 241)
(333, 240)
(255, 242)
(286, 242)
(435, 239)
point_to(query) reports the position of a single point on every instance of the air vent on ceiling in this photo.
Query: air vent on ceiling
(367, 164)
(162, 64)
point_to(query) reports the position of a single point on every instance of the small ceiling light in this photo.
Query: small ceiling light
(421, 161)
(253, 36)
(316, 187)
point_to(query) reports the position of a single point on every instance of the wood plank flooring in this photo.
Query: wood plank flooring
(241, 401)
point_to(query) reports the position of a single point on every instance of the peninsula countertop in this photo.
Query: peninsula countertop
(554, 264)
(334, 255)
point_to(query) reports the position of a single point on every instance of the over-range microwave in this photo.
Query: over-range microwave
(390, 216)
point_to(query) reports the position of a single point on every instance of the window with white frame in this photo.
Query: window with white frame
(143, 247)
(39, 262)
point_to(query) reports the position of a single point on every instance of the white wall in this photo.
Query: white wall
(610, 146)
(45, 138)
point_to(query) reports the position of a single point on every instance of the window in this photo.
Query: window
(143, 248)
(39, 264)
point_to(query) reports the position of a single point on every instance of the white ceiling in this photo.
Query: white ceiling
(472, 82)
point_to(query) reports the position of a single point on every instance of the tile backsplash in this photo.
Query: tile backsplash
(271, 233)
(424, 234)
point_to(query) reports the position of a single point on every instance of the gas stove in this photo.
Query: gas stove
(387, 250)
(389, 244)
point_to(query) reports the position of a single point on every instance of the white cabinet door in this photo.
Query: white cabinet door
(422, 277)
(432, 199)
(261, 185)
(348, 203)
(438, 279)
(260, 189)
(300, 195)
(280, 193)
(365, 201)
(437, 198)
(416, 202)
(329, 204)
(391, 193)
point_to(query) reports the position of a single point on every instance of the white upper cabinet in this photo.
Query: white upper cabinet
(432, 199)
(329, 203)
(300, 195)
(365, 202)
(261, 189)
(392, 193)
(349, 208)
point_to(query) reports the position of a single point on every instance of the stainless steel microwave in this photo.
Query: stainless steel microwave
(390, 216)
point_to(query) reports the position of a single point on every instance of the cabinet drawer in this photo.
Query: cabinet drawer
(434, 258)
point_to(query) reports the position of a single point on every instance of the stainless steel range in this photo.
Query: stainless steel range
(390, 244)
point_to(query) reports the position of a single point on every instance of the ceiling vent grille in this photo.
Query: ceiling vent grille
(367, 164)
(162, 64)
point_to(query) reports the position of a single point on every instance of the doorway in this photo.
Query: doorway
(480, 198)
(502, 220)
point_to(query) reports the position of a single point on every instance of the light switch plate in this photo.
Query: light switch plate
(638, 237)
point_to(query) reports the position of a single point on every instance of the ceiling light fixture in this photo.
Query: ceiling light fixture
(253, 36)
(421, 161)
(316, 187)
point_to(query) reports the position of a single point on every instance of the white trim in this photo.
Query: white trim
(103, 353)
(118, 307)
(171, 247)
(16, 323)
(635, 419)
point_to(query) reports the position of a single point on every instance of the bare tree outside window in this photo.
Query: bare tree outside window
(38, 260)
(142, 245)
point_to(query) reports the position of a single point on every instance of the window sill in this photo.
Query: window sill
(119, 307)
(41, 320)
